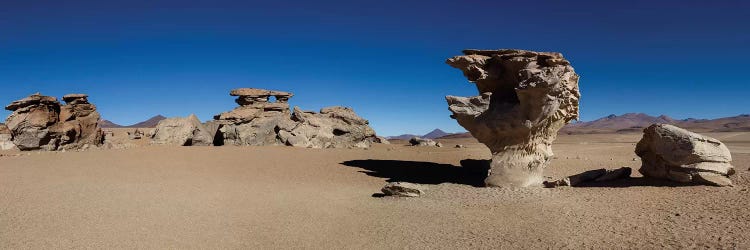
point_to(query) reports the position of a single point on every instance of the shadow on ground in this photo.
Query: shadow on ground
(471, 172)
(634, 182)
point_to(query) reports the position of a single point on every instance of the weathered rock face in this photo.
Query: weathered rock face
(39, 122)
(79, 122)
(260, 122)
(186, 131)
(6, 139)
(670, 152)
(525, 98)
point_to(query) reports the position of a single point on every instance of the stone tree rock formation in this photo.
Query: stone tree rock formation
(670, 152)
(257, 121)
(525, 98)
(39, 122)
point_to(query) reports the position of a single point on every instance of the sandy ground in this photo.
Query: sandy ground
(283, 197)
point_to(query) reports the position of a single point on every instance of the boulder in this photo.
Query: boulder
(402, 189)
(187, 131)
(333, 127)
(524, 98)
(670, 152)
(381, 140)
(424, 142)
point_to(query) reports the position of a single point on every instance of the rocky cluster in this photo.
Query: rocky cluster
(258, 121)
(670, 152)
(524, 98)
(40, 123)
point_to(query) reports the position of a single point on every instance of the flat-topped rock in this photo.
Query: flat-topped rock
(71, 98)
(259, 92)
(34, 99)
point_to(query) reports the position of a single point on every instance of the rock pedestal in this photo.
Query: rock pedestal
(673, 153)
(525, 98)
(39, 123)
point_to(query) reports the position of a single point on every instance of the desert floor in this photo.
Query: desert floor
(284, 197)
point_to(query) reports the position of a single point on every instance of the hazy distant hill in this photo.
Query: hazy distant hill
(150, 123)
(437, 133)
(636, 122)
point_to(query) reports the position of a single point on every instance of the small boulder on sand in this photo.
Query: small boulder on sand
(424, 142)
(403, 189)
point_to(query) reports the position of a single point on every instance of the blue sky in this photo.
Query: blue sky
(383, 58)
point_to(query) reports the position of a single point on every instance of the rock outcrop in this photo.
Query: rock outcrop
(187, 131)
(424, 142)
(525, 98)
(670, 152)
(39, 123)
(79, 122)
(259, 122)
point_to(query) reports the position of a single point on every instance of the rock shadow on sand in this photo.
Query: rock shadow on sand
(635, 182)
(471, 172)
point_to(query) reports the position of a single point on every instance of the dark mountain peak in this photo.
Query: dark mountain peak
(109, 124)
(437, 133)
(150, 123)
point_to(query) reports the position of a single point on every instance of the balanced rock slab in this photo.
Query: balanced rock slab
(670, 152)
(524, 98)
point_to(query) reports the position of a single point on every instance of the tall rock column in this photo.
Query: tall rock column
(525, 98)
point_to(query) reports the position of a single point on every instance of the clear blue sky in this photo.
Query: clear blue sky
(383, 58)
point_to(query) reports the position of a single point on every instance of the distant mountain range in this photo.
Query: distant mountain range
(636, 122)
(437, 133)
(150, 123)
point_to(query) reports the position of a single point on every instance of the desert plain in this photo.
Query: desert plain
(173, 197)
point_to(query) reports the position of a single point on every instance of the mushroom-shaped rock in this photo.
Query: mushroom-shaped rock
(670, 152)
(187, 131)
(525, 98)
